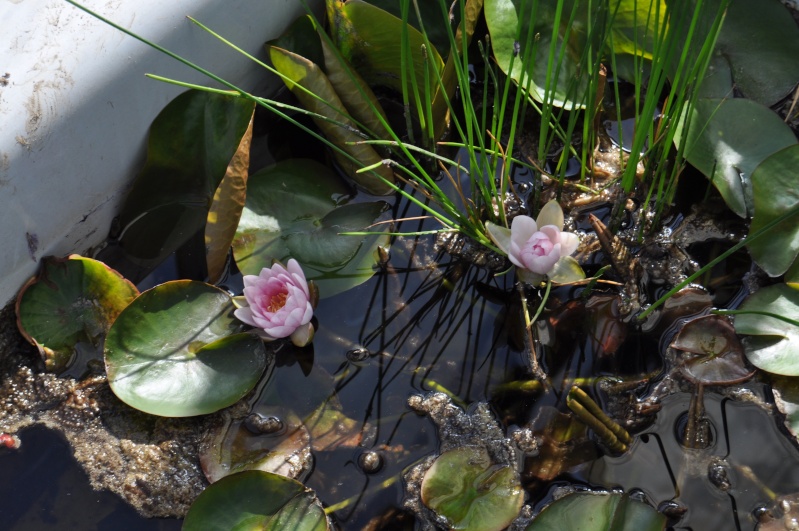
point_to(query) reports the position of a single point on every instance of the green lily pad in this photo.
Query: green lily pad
(255, 500)
(178, 351)
(598, 512)
(711, 352)
(191, 143)
(773, 342)
(522, 34)
(71, 301)
(755, 53)
(464, 486)
(776, 191)
(727, 139)
(295, 209)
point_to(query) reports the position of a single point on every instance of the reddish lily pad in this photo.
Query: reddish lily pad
(233, 448)
(71, 301)
(711, 352)
(464, 486)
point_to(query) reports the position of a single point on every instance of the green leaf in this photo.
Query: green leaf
(255, 500)
(637, 25)
(337, 125)
(774, 342)
(530, 28)
(223, 217)
(178, 351)
(71, 301)
(471, 492)
(598, 512)
(294, 210)
(776, 191)
(566, 270)
(756, 52)
(435, 25)
(371, 40)
(190, 146)
(727, 139)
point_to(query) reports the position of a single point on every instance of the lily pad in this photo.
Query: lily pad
(234, 447)
(755, 53)
(598, 512)
(727, 139)
(191, 143)
(178, 351)
(773, 343)
(786, 398)
(464, 486)
(256, 500)
(776, 190)
(295, 209)
(71, 301)
(524, 34)
(711, 352)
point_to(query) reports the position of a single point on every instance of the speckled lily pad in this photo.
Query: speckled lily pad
(71, 302)
(464, 486)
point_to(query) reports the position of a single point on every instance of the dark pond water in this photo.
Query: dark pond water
(43, 487)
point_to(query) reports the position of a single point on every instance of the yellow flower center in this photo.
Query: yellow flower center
(277, 301)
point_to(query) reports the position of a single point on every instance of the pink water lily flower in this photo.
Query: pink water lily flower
(278, 303)
(539, 248)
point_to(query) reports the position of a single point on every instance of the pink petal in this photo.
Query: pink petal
(552, 232)
(245, 316)
(568, 243)
(521, 229)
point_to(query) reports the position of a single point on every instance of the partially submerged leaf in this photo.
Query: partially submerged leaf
(233, 447)
(773, 343)
(471, 492)
(776, 190)
(190, 146)
(71, 301)
(727, 139)
(295, 210)
(598, 512)
(223, 217)
(256, 500)
(712, 353)
(178, 351)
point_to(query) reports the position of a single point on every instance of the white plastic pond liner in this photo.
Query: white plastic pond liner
(75, 107)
